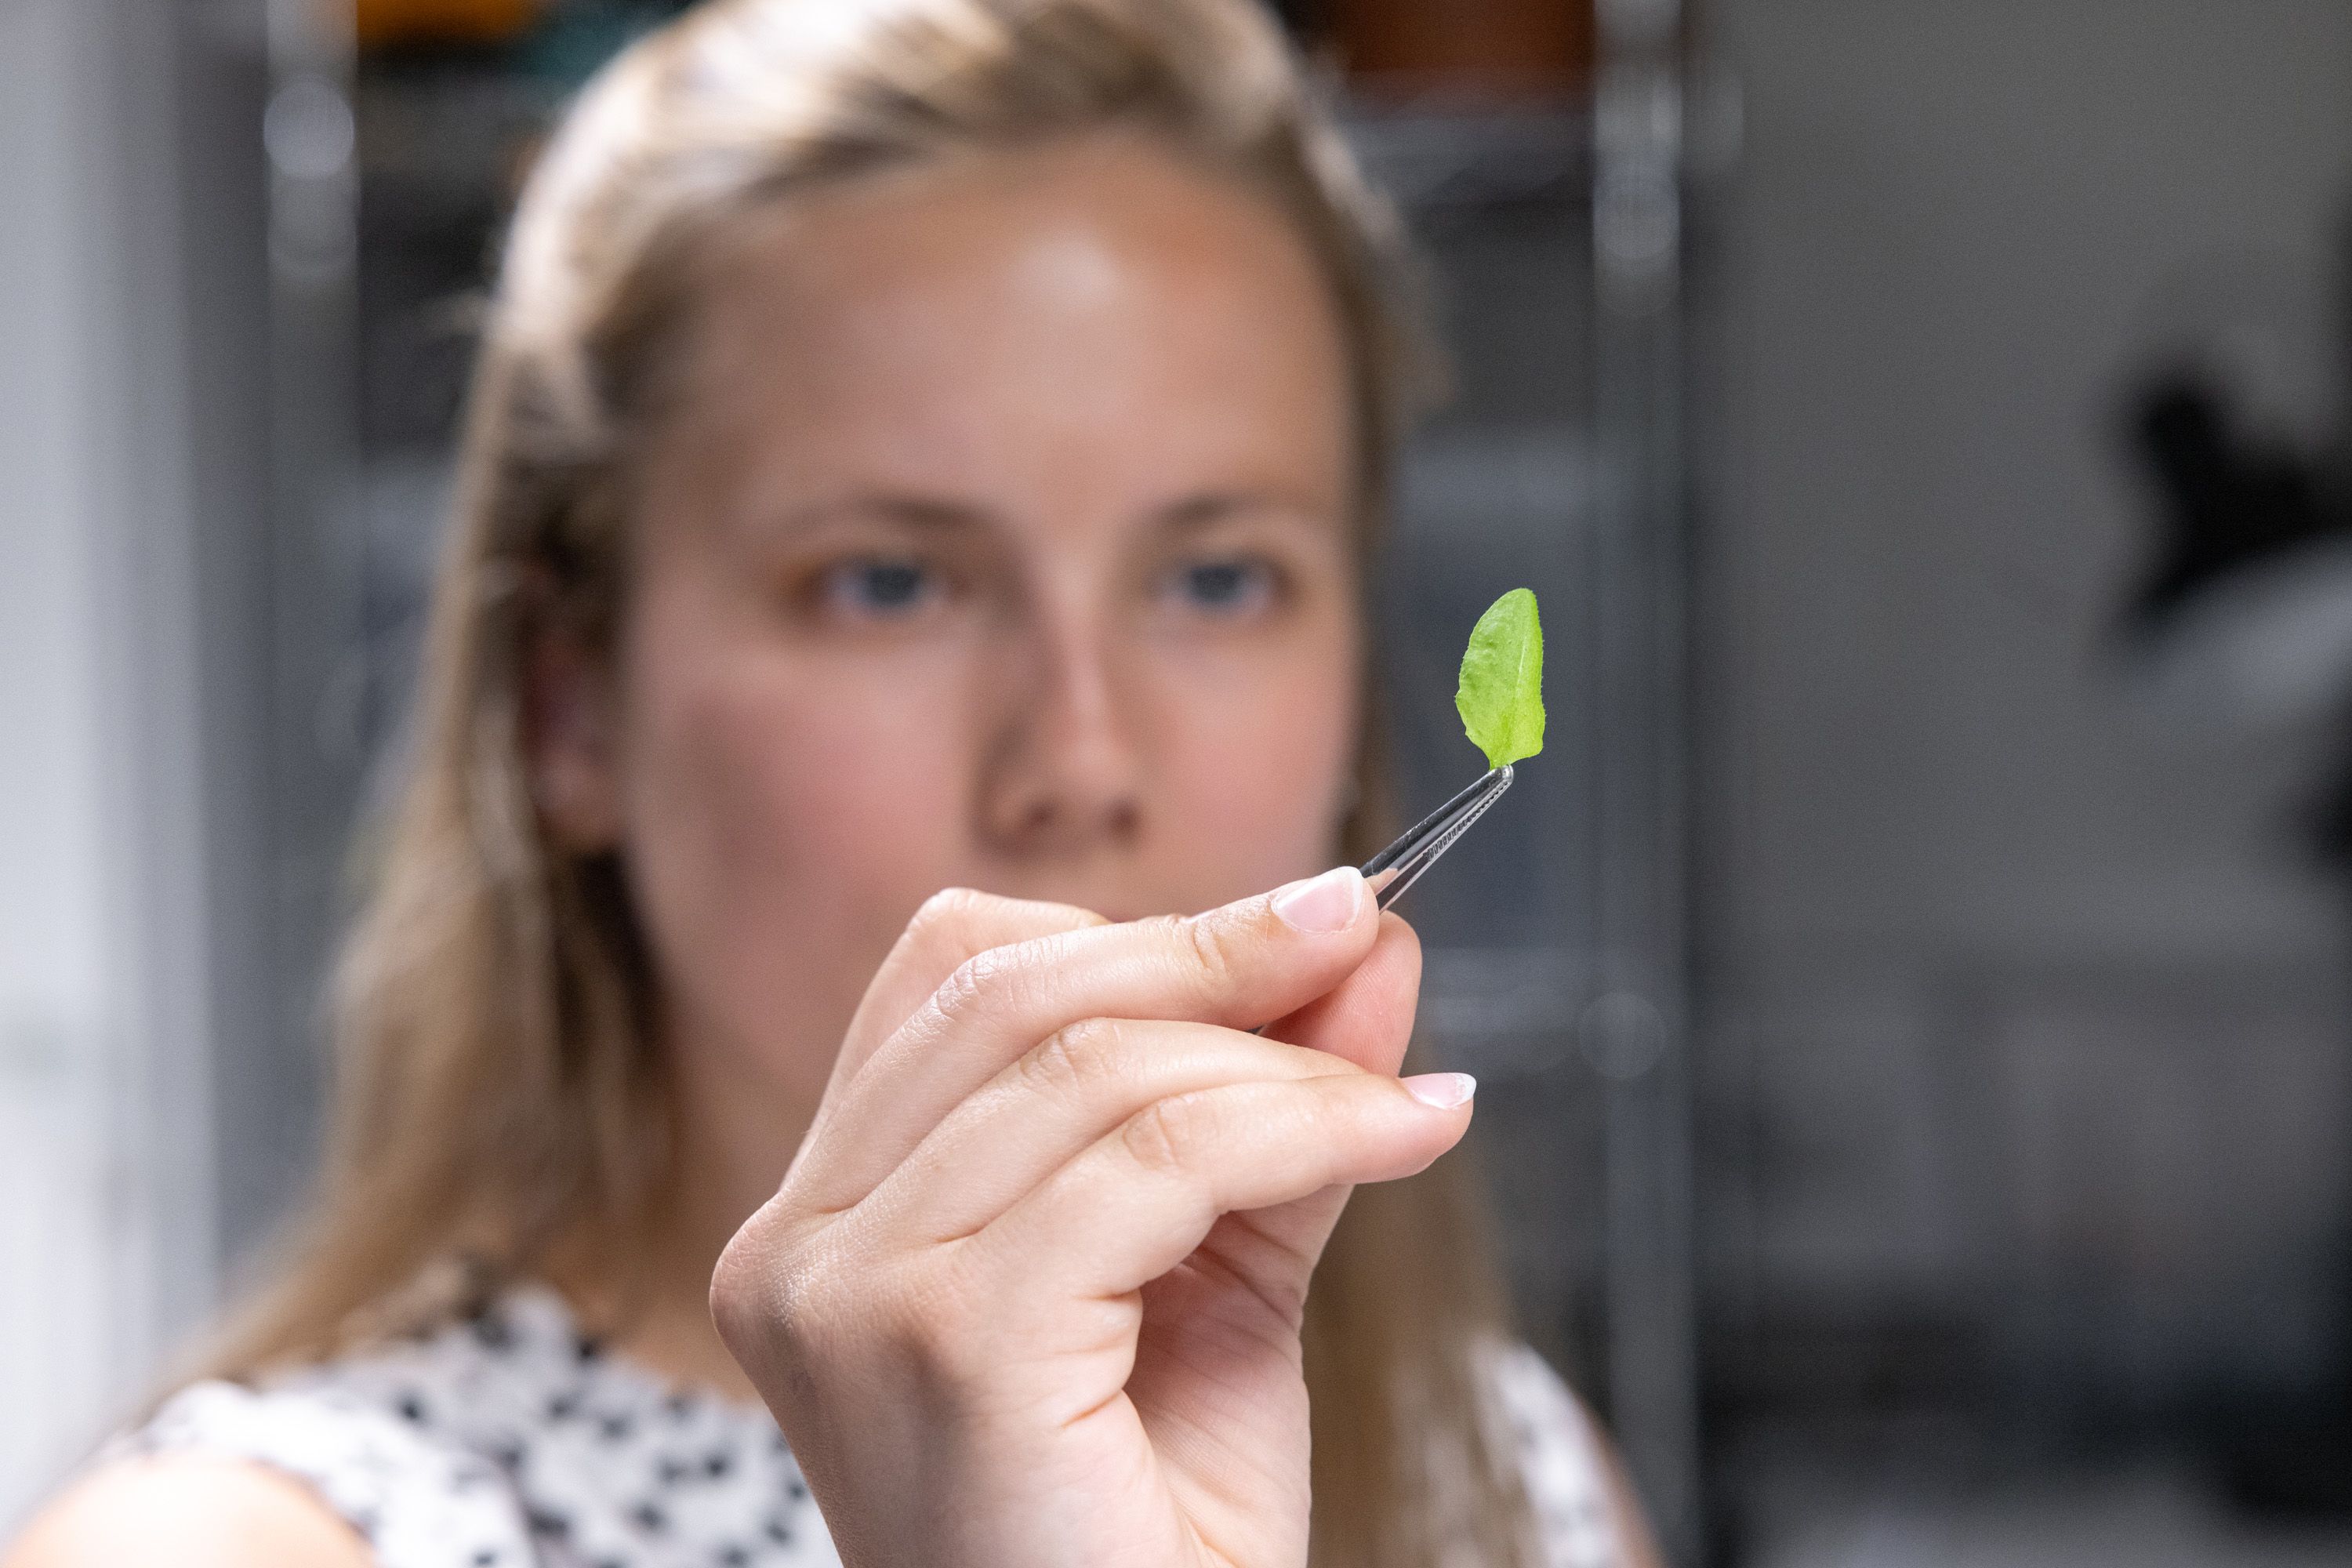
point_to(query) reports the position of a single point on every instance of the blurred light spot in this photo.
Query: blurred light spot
(308, 129)
(1621, 1036)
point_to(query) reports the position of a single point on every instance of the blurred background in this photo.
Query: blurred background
(1921, 1050)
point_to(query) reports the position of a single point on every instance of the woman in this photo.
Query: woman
(919, 444)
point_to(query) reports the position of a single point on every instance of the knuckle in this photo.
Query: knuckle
(772, 1299)
(1208, 945)
(813, 1313)
(1076, 1059)
(1164, 1137)
(824, 1305)
(1013, 978)
(971, 984)
(947, 909)
(962, 988)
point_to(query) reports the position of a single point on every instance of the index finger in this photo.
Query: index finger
(954, 927)
(1256, 959)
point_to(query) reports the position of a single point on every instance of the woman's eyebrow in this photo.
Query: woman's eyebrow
(1213, 507)
(920, 512)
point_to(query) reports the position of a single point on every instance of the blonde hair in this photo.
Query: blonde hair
(500, 1094)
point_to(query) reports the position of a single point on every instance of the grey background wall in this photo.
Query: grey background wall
(2028, 1067)
(126, 830)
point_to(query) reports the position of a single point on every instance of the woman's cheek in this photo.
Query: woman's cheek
(869, 775)
(1261, 769)
(781, 831)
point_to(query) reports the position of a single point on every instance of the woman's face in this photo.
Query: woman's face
(1001, 538)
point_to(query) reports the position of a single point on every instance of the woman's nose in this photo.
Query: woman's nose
(1062, 775)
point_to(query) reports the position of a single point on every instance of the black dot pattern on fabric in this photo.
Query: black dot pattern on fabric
(510, 1440)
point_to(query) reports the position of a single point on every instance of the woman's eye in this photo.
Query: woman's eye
(879, 588)
(1223, 587)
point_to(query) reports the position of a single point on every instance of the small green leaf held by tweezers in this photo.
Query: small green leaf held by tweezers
(1501, 695)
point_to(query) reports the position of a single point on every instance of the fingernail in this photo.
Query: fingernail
(1321, 904)
(1443, 1089)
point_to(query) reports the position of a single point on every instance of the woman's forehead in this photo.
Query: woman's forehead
(1080, 259)
(1046, 308)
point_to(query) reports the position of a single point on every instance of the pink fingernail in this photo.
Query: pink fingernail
(1322, 904)
(1443, 1089)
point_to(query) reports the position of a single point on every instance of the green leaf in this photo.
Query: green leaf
(1501, 695)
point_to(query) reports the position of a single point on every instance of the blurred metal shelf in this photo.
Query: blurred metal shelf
(1431, 161)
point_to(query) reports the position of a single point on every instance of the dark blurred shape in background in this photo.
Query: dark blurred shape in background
(1920, 1057)
(1465, 51)
(387, 24)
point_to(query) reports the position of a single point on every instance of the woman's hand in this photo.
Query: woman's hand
(1031, 1291)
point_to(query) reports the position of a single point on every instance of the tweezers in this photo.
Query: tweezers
(1418, 850)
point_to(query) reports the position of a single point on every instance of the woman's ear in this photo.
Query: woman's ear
(568, 731)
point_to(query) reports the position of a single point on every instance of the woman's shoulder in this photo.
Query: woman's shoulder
(202, 1513)
(501, 1436)
(253, 1474)
(365, 1450)
(1563, 1462)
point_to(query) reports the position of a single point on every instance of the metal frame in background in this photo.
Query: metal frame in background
(310, 560)
(1636, 1032)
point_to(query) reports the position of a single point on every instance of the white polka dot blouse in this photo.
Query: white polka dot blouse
(510, 1440)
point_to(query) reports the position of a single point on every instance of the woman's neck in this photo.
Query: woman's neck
(732, 1156)
(672, 1336)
